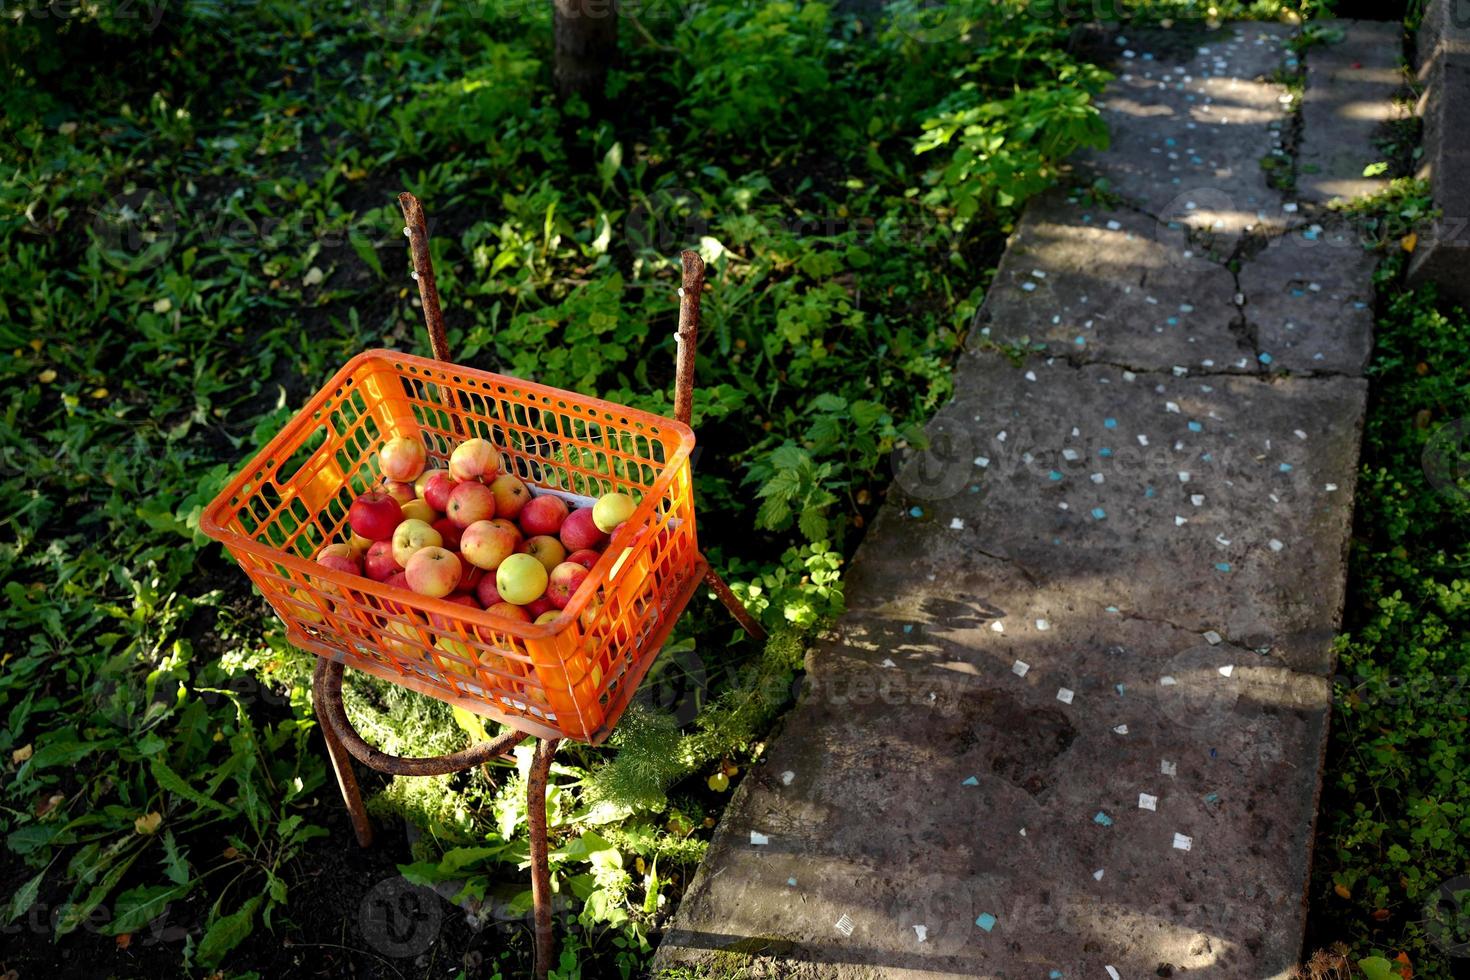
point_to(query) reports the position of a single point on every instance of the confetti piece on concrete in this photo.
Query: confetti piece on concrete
(971, 781)
(1197, 499)
(1167, 681)
(1043, 625)
(1099, 514)
(997, 627)
(1023, 831)
(1212, 638)
(757, 838)
(1020, 667)
(1102, 819)
(791, 882)
(982, 461)
(1180, 521)
(922, 932)
(1097, 875)
(1070, 455)
(1120, 729)
(985, 921)
(1183, 843)
(1111, 972)
(1168, 768)
(844, 925)
(1227, 670)
(916, 512)
(1331, 488)
(1147, 802)
(787, 777)
(1064, 695)
(955, 524)
(888, 662)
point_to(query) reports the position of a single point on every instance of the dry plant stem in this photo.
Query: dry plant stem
(536, 784)
(687, 335)
(423, 267)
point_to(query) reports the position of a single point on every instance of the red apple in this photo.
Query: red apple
(580, 533)
(563, 583)
(379, 564)
(399, 491)
(339, 563)
(538, 606)
(486, 544)
(506, 610)
(459, 598)
(449, 531)
(411, 536)
(543, 515)
(470, 576)
(545, 549)
(436, 489)
(474, 459)
(397, 580)
(586, 558)
(486, 592)
(510, 495)
(341, 549)
(374, 515)
(424, 478)
(470, 502)
(402, 458)
(432, 571)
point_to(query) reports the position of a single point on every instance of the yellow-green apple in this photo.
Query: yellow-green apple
(474, 459)
(380, 565)
(374, 515)
(611, 510)
(399, 491)
(457, 650)
(549, 616)
(579, 532)
(470, 502)
(307, 611)
(358, 544)
(449, 531)
(506, 610)
(546, 549)
(485, 544)
(543, 515)
(402, 639)
(510, 495)
(420, 510)
(590, 612)
(402, 458)
(437, 488)
(424, 478)
(520, 579)
(412, 535)
(586, 558)
(563, 582)
(432, 571)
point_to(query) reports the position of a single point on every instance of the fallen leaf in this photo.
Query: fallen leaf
(1409, 241)
(49, 804)
(124, 940)
(314, 276)
(21, 754)
(1381, 915)
(1343, 891)
(46, 377)
(148, 825)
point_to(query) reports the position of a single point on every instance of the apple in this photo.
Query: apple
(474, 459)
(485, 544)
(402, 639)
(486, 592)
(543, 515)
(590, 612)
(397, 580)
(340, 563)
(457, 650)
(380, 565)
(449, 531)
(520, 579)
(538, 606)
(510, 494)
(358, 544)
(308, 611)
(432, 571)
(506, 610)
(470, 575)
(470, 502)
(419, 510)
(374, 515)
(399, 491)
(340, 549)
(611, 510)
(410, 536)
(550, 616)
(545, 549)
(579, 532)
(563, 582)
(440, 622)
(424, 478)
(402, 458)
(437, 488)
(586, 558)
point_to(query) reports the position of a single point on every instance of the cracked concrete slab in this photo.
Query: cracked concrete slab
(1348, 100)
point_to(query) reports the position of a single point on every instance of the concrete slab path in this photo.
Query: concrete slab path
(1072, 725)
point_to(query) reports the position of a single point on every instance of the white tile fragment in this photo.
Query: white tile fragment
(1043, 625)
(922, 932)
(887, 662)
(1227, 670)
(1112, 973)
(844, 925)
(1147, 802)
(1064, 695)
(997, 627)
(1276, 545)
(1212, 638)
(1020, 667)
(1097, 875)
(1120, 729)
(757, 838)
(955, 524)
(982, 461)
(1183, 843)
(1168, 768)
(787, 777)
(1167, 681)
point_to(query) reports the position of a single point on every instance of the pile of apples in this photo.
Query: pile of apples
(472, 534)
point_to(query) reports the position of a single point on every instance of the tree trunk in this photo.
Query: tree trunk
(586, 42)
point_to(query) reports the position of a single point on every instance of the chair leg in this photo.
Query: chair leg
(734, 605)
(540, 859)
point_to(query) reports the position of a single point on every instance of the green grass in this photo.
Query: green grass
(200, 227)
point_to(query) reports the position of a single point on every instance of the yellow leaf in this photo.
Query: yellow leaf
(47, 376)
(1343, 891)
(148, 825)
(21, 754)
(1409, 241)
(99, 393)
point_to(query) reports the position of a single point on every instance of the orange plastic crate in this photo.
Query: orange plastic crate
(570, 678)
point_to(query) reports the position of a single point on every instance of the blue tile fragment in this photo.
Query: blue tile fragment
(971, 781)
(1105, 452)
(1286, 467)
(1102, 819)
(1196, 427)
(1110, 423)
(916, 512)
(1055, 476)
(1222, 566)
(1264, 358)
(985, 921)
